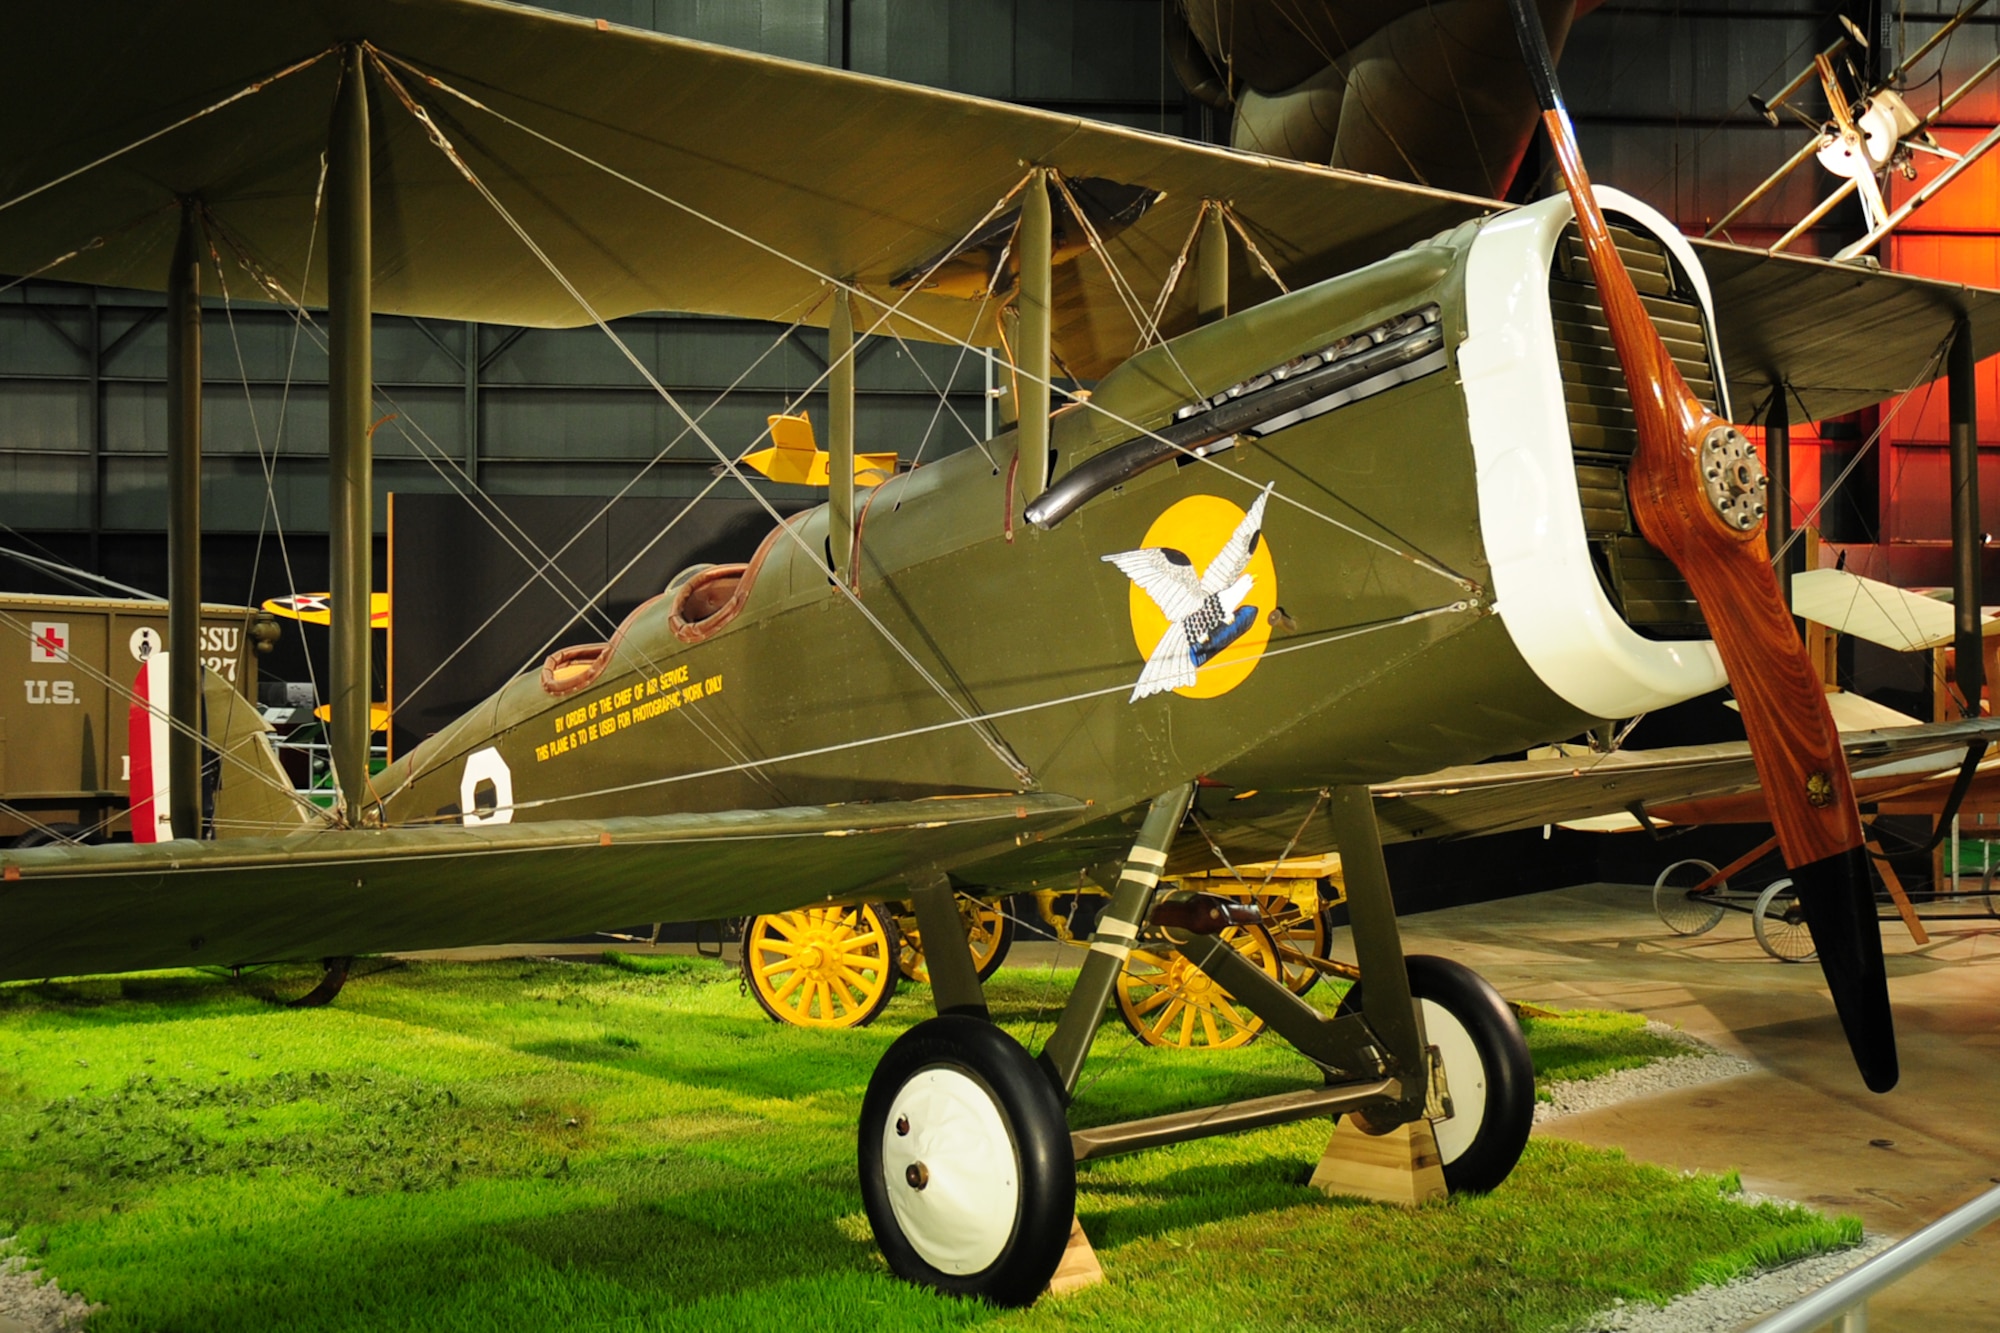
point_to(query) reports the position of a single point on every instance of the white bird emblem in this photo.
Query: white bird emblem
(1204, 614)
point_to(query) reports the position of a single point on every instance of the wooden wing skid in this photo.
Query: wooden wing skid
(849, 175)
(68, 911)
(1496, 798)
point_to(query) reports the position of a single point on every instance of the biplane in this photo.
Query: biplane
(1410, 506)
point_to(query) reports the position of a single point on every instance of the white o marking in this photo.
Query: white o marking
(961, 1219)
(145, 642)
(1464, 1075)
(486, 766)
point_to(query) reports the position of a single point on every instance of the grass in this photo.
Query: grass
(523, 1145)
(1590, 1043)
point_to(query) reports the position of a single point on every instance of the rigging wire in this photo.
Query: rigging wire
(1173, 275)
(606, 509)
(1230, 216)
(999, 747)
(71, 574)
(94, 243)
(1421, 561)
(1018, 710)
(1458, 96)
(1127, 296)
(267, 462)
(130, 695)
(405, 421)
(256, 86)
(1928, 372)
(1347, 81)
(428, 449)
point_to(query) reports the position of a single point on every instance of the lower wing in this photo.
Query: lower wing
(67, 911)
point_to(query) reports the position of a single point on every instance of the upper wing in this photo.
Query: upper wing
(1234, 557)
(778, 172)
(65, 911)
(1166, 576)
(1839, 336)
(852, 176)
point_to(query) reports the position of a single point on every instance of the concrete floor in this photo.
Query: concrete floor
(1804, 1128)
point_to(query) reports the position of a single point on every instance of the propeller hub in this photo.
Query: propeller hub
(1733, 476)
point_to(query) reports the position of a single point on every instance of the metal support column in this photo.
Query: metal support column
(96, 433)
(470, 364)
(350, 518)
(1378, 941)
(1211, 300)
(840, 434)
(955, 987)
(1778, 485)
(184, 526)
(1111, 943)
(1032, 355)
(1968, 541)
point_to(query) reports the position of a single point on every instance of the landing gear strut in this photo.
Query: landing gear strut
(968, 1166)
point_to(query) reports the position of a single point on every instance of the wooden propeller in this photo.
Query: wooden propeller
(1697, 491)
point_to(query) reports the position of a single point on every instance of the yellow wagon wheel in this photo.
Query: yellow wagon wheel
(988, 929)
(1299, 931)
(824, 967)
(1168, 1001)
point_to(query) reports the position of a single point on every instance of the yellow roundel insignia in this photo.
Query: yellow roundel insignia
(1221, 640)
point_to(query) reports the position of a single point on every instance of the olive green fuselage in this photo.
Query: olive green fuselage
(804, 698)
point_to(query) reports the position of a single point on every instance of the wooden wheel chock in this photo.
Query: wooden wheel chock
(1079, 1267)
(1401, 1167)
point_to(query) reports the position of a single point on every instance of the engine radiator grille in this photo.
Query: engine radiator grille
(1641, 583)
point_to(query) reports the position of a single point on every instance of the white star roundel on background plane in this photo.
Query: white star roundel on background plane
(1207, 613)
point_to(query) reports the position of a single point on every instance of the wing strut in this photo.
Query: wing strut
(350, 392)
(1033, 349)
(183, 683)
(840, 435)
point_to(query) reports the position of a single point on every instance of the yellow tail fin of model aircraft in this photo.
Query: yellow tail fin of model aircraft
(795, 458)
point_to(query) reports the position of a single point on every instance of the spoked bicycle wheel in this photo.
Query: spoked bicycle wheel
(1684, 911)
(1780, 924)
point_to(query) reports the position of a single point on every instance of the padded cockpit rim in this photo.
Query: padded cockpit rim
(603, 653)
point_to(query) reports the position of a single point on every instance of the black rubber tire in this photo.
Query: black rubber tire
(1038, 1133)
(332, 977)
(52, 835)
(1509, 1070)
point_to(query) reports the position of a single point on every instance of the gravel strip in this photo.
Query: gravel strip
(1729, 1307)
(37, 1306)
(1702, 1064)
(1732, 1306)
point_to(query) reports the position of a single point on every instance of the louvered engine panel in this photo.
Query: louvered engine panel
(1640, 582)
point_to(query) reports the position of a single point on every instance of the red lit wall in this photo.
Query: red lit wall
(1956, 236)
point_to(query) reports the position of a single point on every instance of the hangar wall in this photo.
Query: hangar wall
(1660, 92)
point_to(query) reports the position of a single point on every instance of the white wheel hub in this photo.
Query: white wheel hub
(953, 1174)
(1465, 1080)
